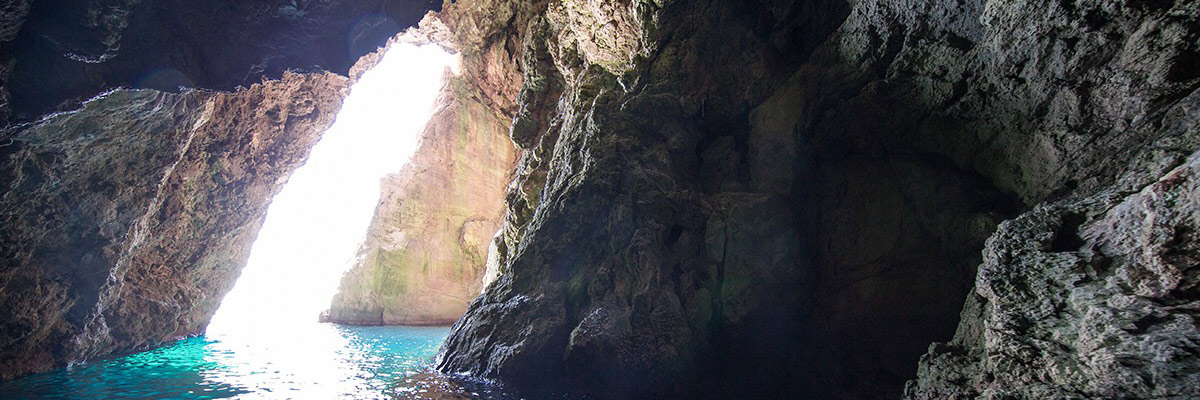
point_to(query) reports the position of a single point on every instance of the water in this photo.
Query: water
(262, 343)
(318, 361)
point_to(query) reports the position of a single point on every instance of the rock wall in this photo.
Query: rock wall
(56, 53)
(713, 199)
(424, 257)
(1083, 298)
(789, 199)
(126, 222)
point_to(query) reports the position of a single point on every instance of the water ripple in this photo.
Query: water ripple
(314, 362)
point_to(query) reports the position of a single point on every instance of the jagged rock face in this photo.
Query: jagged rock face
(126, 222)
(1082, 298)
(424, 257)
(789, 199)
(715, 199)
(71, 50)
(1042, 105)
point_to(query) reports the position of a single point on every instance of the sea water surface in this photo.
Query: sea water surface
(317, 361)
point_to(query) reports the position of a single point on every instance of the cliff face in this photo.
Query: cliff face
(127, 221)
(1086, 297)
(424, 257)
(781, 198)
(713, 199)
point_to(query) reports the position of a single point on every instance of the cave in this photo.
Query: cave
(632, 199)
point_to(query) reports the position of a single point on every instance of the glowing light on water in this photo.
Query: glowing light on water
(354, 363)
(314, 226)
(265, 342)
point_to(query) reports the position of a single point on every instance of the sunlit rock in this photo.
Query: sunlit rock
(125, 222)
(71, 50)
(425, 253)
(1082, 298)
(710, 199)
(789, 199)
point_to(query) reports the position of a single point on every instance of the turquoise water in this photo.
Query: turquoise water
(322, 361)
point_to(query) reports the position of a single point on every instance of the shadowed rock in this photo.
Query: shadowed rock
(71, 50)
(778, 199)
(127, 221)
(1113, 316)
(716, 199)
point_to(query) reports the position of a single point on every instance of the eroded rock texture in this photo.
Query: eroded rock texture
(125, 222)
(423, 260)
(715, 199)
(786, 199)
(1083, 298)
(70, 50)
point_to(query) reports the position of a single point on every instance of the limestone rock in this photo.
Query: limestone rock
(1082, 298)
(718, 199)
(126, 222)
(67, 51)
(424, 257)
(782, 199)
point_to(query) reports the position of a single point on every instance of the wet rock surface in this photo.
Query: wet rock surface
(425, 254)
(126, 222)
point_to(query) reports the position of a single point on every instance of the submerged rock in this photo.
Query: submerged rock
(424, 257)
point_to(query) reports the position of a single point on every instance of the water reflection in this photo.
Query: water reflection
(322, 361)
(256, 346)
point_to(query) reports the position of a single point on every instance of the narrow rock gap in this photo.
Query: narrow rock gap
(314, 225)
(1066, 237)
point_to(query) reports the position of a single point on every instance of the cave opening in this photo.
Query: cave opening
(266, 331)
(820, 199)
(316, 222)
